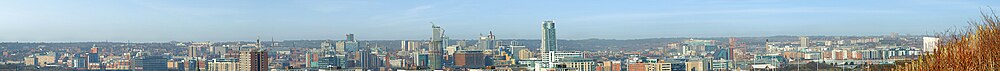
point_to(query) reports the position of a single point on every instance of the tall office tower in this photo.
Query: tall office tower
(435, 58)
(803, 41)
(549, 44)
(549, 36)
(253, 60)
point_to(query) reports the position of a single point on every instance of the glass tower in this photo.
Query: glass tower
(549, 36)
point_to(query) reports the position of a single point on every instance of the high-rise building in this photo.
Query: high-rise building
(804, 41)
(436, 44)
(549, 36)
(253, 60)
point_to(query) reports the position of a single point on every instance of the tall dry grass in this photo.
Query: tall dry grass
(972, 49)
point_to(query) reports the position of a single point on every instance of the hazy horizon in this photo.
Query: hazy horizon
(268, 39)
(162, 21)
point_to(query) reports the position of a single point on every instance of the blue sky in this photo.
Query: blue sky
(240, 20)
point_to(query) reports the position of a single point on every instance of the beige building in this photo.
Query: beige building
(222, 65)
(694, 66)
(525, 54)
(40, 59)
(657, 66)
(581, 64)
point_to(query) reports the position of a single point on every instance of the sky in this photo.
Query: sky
(244, 20)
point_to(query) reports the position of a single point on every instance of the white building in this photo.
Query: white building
(930, 44)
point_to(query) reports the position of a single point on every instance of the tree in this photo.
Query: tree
(973, 49)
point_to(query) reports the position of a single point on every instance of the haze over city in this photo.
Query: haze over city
(161, 21)
(520, 35)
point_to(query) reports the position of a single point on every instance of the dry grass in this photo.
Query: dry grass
(973, 49)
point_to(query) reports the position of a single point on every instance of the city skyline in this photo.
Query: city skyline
(675, 35)
(161, 21)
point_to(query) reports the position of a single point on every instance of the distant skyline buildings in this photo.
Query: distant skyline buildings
(163, 21)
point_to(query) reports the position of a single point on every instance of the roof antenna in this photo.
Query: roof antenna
(258, 42)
